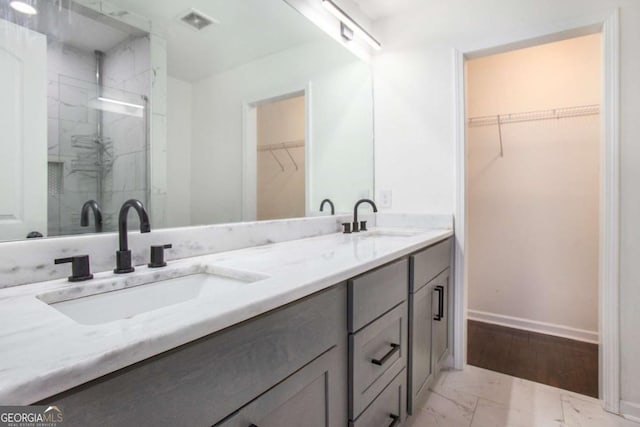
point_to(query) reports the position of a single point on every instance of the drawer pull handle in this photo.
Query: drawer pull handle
(396, 420)
(440, 315)
(394, 349)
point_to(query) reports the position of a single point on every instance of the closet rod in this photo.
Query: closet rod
(556, 113)
(282, 146)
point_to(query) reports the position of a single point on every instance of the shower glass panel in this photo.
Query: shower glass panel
(97, 150)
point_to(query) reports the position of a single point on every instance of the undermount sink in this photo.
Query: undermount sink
(131, 301)
(387, 233)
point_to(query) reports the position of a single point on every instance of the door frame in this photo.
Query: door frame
(250, 143)
(609, 223)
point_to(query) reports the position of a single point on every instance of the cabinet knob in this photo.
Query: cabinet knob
(157, 256)
(80, 268)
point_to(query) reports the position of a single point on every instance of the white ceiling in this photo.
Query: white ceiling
(378, 9)
(248, 30)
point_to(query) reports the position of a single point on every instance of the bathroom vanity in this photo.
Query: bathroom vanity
(326, 329)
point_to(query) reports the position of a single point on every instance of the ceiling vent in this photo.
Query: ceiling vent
(196, 19)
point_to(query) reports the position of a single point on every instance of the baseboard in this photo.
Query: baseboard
(630, 410)
(534, 326)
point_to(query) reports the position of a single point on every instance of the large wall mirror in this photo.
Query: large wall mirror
(208, 111)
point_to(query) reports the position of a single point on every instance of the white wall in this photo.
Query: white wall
(533, 214)
(415, 123)
(178, 153)
(341, 131)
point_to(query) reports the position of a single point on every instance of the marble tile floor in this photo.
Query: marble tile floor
(476, 397)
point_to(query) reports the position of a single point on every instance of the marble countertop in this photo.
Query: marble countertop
(43, 352)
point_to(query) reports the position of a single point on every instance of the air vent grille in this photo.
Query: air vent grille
(197, 20)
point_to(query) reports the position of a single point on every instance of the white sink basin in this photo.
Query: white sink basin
(387, 233)
(131, 301)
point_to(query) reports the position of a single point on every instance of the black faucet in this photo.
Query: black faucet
(333, 209)
(356, 225)
(123, 256)
(97, 215)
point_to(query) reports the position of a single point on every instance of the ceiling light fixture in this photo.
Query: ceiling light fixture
(348, 21)
(23, 7)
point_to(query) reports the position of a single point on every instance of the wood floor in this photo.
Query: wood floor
(559, 362)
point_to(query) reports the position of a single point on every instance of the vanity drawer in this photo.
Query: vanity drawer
(388, 410)
(377, 353)
(376, 292)
(428, 263)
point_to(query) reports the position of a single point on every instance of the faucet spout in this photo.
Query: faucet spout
(145, 227)
(91, 205)
(356, 225)
(123, 256)
(333, 209)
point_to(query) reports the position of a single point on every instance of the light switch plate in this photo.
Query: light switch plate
(384, 198)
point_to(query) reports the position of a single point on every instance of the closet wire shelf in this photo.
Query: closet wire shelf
(556, 113)
(531, 116)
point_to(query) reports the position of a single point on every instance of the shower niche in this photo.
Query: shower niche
(97, 123)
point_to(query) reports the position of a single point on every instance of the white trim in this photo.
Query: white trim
(249, 142)
(630, 410)
(609, 366)
(308, 147)
(249, 161)
(534, 326)
(610, 218)
(460, 290)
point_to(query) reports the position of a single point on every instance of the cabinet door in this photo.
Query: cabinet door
(420, 365)
(313, 397)
(440, 318)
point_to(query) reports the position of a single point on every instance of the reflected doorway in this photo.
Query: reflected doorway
(276, 144)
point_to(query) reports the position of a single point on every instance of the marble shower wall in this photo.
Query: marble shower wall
(126, 77)
(71, 126)
(156, 196)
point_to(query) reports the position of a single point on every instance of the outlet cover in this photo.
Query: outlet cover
(384, 199)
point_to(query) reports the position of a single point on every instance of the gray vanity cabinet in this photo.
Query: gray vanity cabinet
(290, 360)
(359, 354)
(428, 319)
(378, 345)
